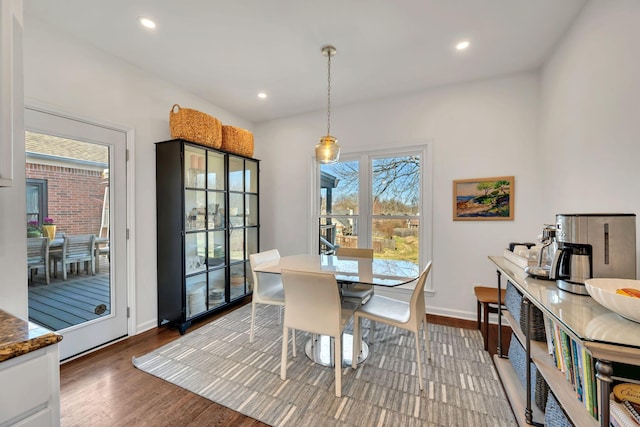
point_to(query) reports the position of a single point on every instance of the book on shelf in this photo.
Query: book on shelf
(577, 365)
(632, 409)
(619, 416)
(576, 354)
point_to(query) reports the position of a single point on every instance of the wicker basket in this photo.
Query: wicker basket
(195, 126)
(238, 141)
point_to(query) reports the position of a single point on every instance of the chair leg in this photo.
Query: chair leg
(357, 339)
(293, 341)
(485, 308)
(372, 330)
(425, 333)
(417, 334)
(337, 361)
(64, 270)
(253, 318)
(283, 360)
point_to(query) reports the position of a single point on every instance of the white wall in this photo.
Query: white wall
(481, 129)
(590, 113)
(584, 158)
(73, 77)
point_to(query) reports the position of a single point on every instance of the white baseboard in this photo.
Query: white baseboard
(144, 327)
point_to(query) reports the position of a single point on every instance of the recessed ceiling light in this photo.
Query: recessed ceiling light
(146, 22)
(262, 95)
(463, 45)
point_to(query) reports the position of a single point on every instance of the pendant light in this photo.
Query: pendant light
(327, 150)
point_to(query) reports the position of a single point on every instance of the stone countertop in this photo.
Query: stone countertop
(18, 337)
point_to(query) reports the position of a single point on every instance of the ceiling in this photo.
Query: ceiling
(228, 51)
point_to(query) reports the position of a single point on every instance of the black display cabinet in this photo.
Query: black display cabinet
(207, 226)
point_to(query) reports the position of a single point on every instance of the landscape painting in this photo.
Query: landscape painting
(488, 199)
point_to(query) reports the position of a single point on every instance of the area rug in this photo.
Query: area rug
(217, 362)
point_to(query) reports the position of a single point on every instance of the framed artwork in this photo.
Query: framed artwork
(483, 199)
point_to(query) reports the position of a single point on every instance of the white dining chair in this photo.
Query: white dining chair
(267, 288)
(313, 304)
(356, 292)
(409, 316)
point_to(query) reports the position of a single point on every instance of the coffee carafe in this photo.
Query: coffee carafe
(593, 245)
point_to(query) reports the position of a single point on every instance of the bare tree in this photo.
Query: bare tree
(396, 181)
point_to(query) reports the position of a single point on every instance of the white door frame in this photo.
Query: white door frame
(130, 205)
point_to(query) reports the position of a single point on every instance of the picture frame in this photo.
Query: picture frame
(483, 199)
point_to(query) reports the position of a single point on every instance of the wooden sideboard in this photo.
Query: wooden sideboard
(608, 337)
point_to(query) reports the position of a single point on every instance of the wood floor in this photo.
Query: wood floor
(104, 389)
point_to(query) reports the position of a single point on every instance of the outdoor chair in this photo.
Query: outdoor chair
(76, 249)
(38, 256)
(102, 248)
(409, 316)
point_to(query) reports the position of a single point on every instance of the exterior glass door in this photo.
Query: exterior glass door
(77, 198)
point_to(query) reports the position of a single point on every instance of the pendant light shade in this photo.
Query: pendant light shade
(327, 150)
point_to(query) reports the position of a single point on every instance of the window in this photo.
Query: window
(377, 200)
(36, 200)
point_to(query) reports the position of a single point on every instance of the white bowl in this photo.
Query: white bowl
(604, 292)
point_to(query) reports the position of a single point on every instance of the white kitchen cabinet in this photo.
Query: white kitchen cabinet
(30, 389)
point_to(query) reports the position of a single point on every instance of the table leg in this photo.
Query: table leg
(320, 349)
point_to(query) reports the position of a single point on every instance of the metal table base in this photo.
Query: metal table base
(320, 349)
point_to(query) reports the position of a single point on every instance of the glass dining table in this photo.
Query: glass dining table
(376, 272)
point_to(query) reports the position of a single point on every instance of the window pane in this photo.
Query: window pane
(396, 185)
(339, 188)
(341, 231)
(396, 239)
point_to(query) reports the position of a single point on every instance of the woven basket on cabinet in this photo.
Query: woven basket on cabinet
(195, 126)
(237, 140)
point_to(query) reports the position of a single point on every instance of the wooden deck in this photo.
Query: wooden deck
(65, 303)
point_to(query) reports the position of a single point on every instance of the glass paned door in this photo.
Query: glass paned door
(84, 166)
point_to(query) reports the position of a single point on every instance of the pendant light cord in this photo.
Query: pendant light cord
(329, 94)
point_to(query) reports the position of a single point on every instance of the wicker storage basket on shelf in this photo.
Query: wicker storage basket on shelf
(195, 126)
(237, 141)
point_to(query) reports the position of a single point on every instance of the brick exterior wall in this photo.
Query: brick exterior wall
(75, 197)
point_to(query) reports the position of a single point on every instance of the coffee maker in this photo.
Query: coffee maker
(593, 245)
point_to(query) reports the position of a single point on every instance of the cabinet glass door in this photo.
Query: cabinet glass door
(238, 280)
(251, 210)
(251, 176)
(194, 167)
(215, 171)
(195, 249)
(217, 292)
(194, 209)
(236, 173)
(196, 292)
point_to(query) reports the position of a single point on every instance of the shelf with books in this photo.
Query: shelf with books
(602, 335)
(556, 379)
